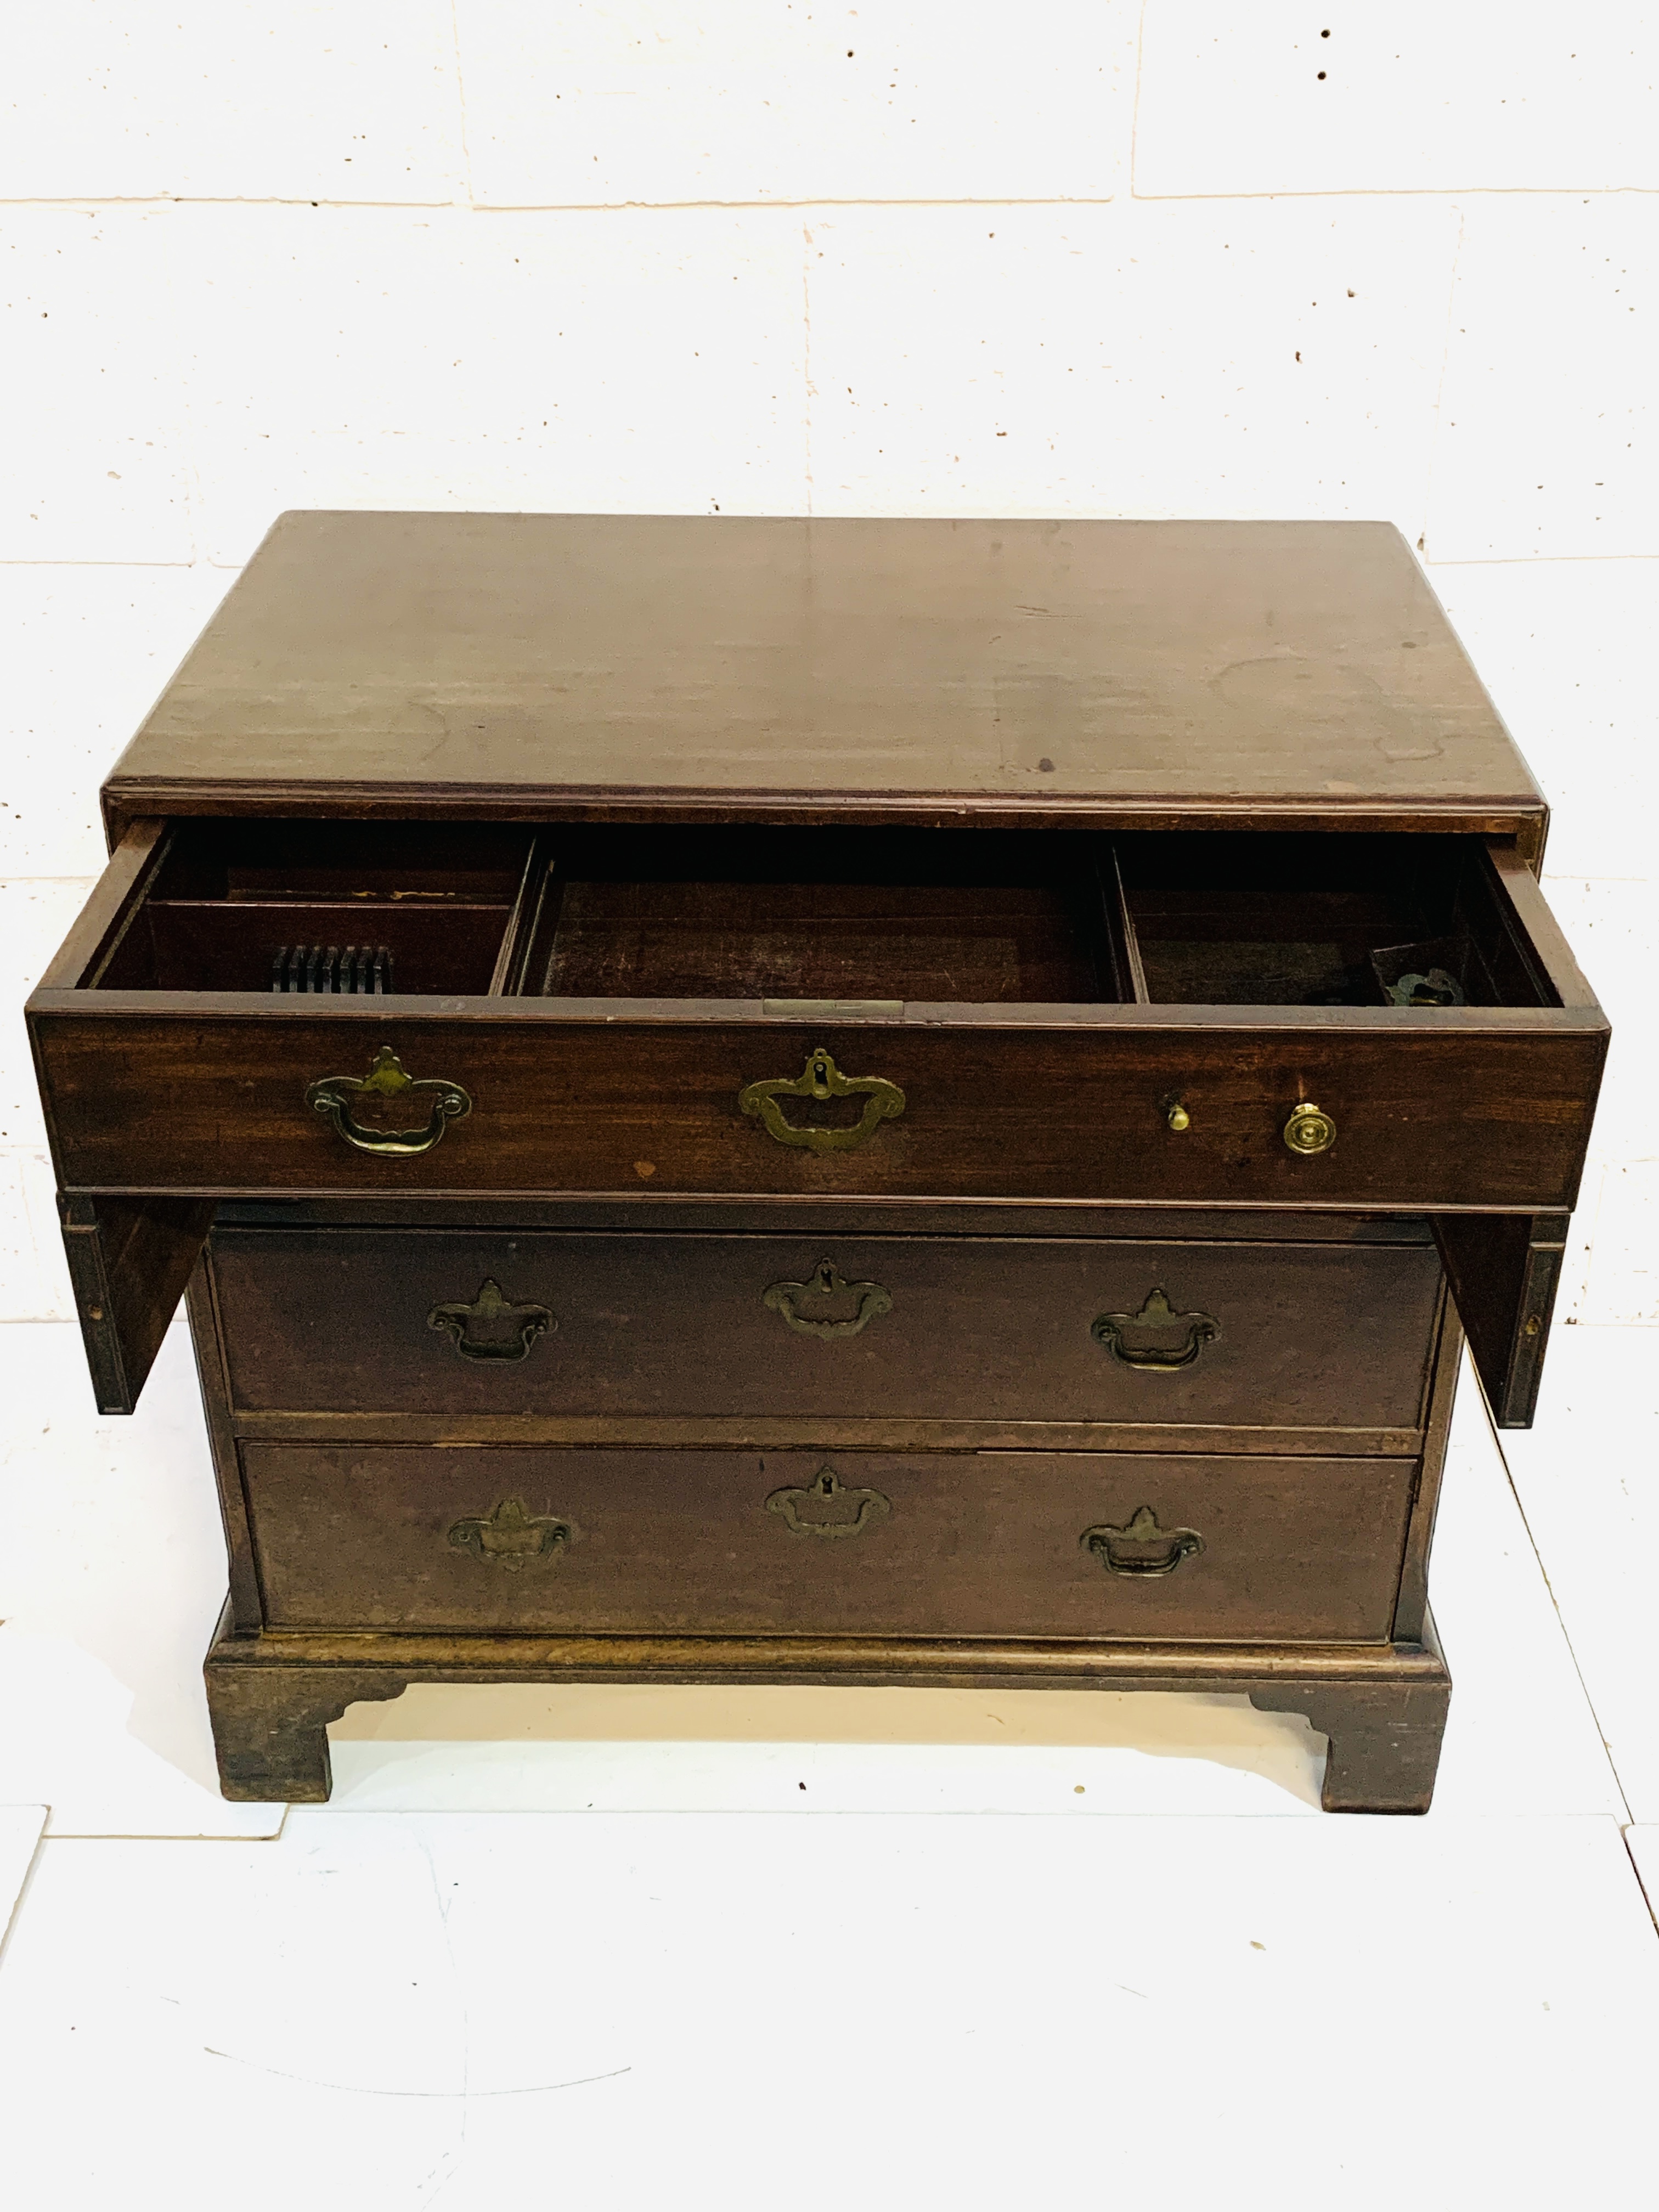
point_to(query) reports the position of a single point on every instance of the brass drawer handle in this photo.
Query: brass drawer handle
(845, 1512)
(1109, 1329)
(820, 1079)
(492, 1327)
(1106, 1544)
(510, 1535)
(1309, 1131)
(332, 1096)
(827, 1282)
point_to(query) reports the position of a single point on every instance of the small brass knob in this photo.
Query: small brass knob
(1179, 1118)
(1308, 1130)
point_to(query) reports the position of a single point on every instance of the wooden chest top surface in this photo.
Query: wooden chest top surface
(693, 665)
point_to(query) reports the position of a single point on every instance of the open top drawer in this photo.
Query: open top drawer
(439, 1010)
(414, 909)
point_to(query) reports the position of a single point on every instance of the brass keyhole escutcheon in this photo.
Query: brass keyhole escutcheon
(1309, 1131)
(827, 1507)
(827, 1282)
(1178, 1118)
(820, 1081)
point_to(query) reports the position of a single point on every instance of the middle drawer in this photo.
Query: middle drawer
(456, 1322)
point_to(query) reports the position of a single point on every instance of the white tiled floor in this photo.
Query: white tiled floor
(571, 1936)
(1584, 1476)
(394, 2010)
(1643, 1842)
(112, 1576)
(21, 1827)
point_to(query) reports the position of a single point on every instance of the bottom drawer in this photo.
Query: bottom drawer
(954, 1544)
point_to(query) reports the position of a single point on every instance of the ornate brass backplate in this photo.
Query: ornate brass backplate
(333, 1095)
(825, 1507)
(827, 1282)
(819, 1080)
(1158, 1317)
(510, 1535)
(1157, 1551)
(492, 1327)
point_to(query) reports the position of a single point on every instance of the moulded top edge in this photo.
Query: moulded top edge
(1520, 815)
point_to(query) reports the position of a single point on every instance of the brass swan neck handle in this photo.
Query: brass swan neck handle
(1123, 1335)
(334, 1096)
(1140, 1548)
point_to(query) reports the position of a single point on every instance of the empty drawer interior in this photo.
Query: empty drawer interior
(980, 917)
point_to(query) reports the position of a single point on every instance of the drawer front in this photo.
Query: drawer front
(1109, 1545)
(1424, 1119)
(945, 1328)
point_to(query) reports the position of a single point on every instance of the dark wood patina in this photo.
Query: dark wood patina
(809, 1102)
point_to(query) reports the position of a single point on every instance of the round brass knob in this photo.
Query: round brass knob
(1308, 1130)
(1179, 1118)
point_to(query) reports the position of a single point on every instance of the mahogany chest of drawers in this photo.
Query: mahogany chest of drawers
(808, 1101)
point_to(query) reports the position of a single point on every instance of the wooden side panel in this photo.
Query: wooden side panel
(1411, 1614)
(128, 1263)
(1537, 930)
(109, 912)
(245, 1611)
(1504, 1270)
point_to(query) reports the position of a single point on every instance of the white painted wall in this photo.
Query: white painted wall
(1183, 259)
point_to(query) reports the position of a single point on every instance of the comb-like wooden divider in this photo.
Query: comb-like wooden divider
(330, 909)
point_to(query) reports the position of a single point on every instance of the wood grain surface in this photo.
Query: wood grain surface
(1491, 1112)
(986, 1544)
(1381, 1707)
(647, 665)
(1066, 1147)
(961, 1329)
